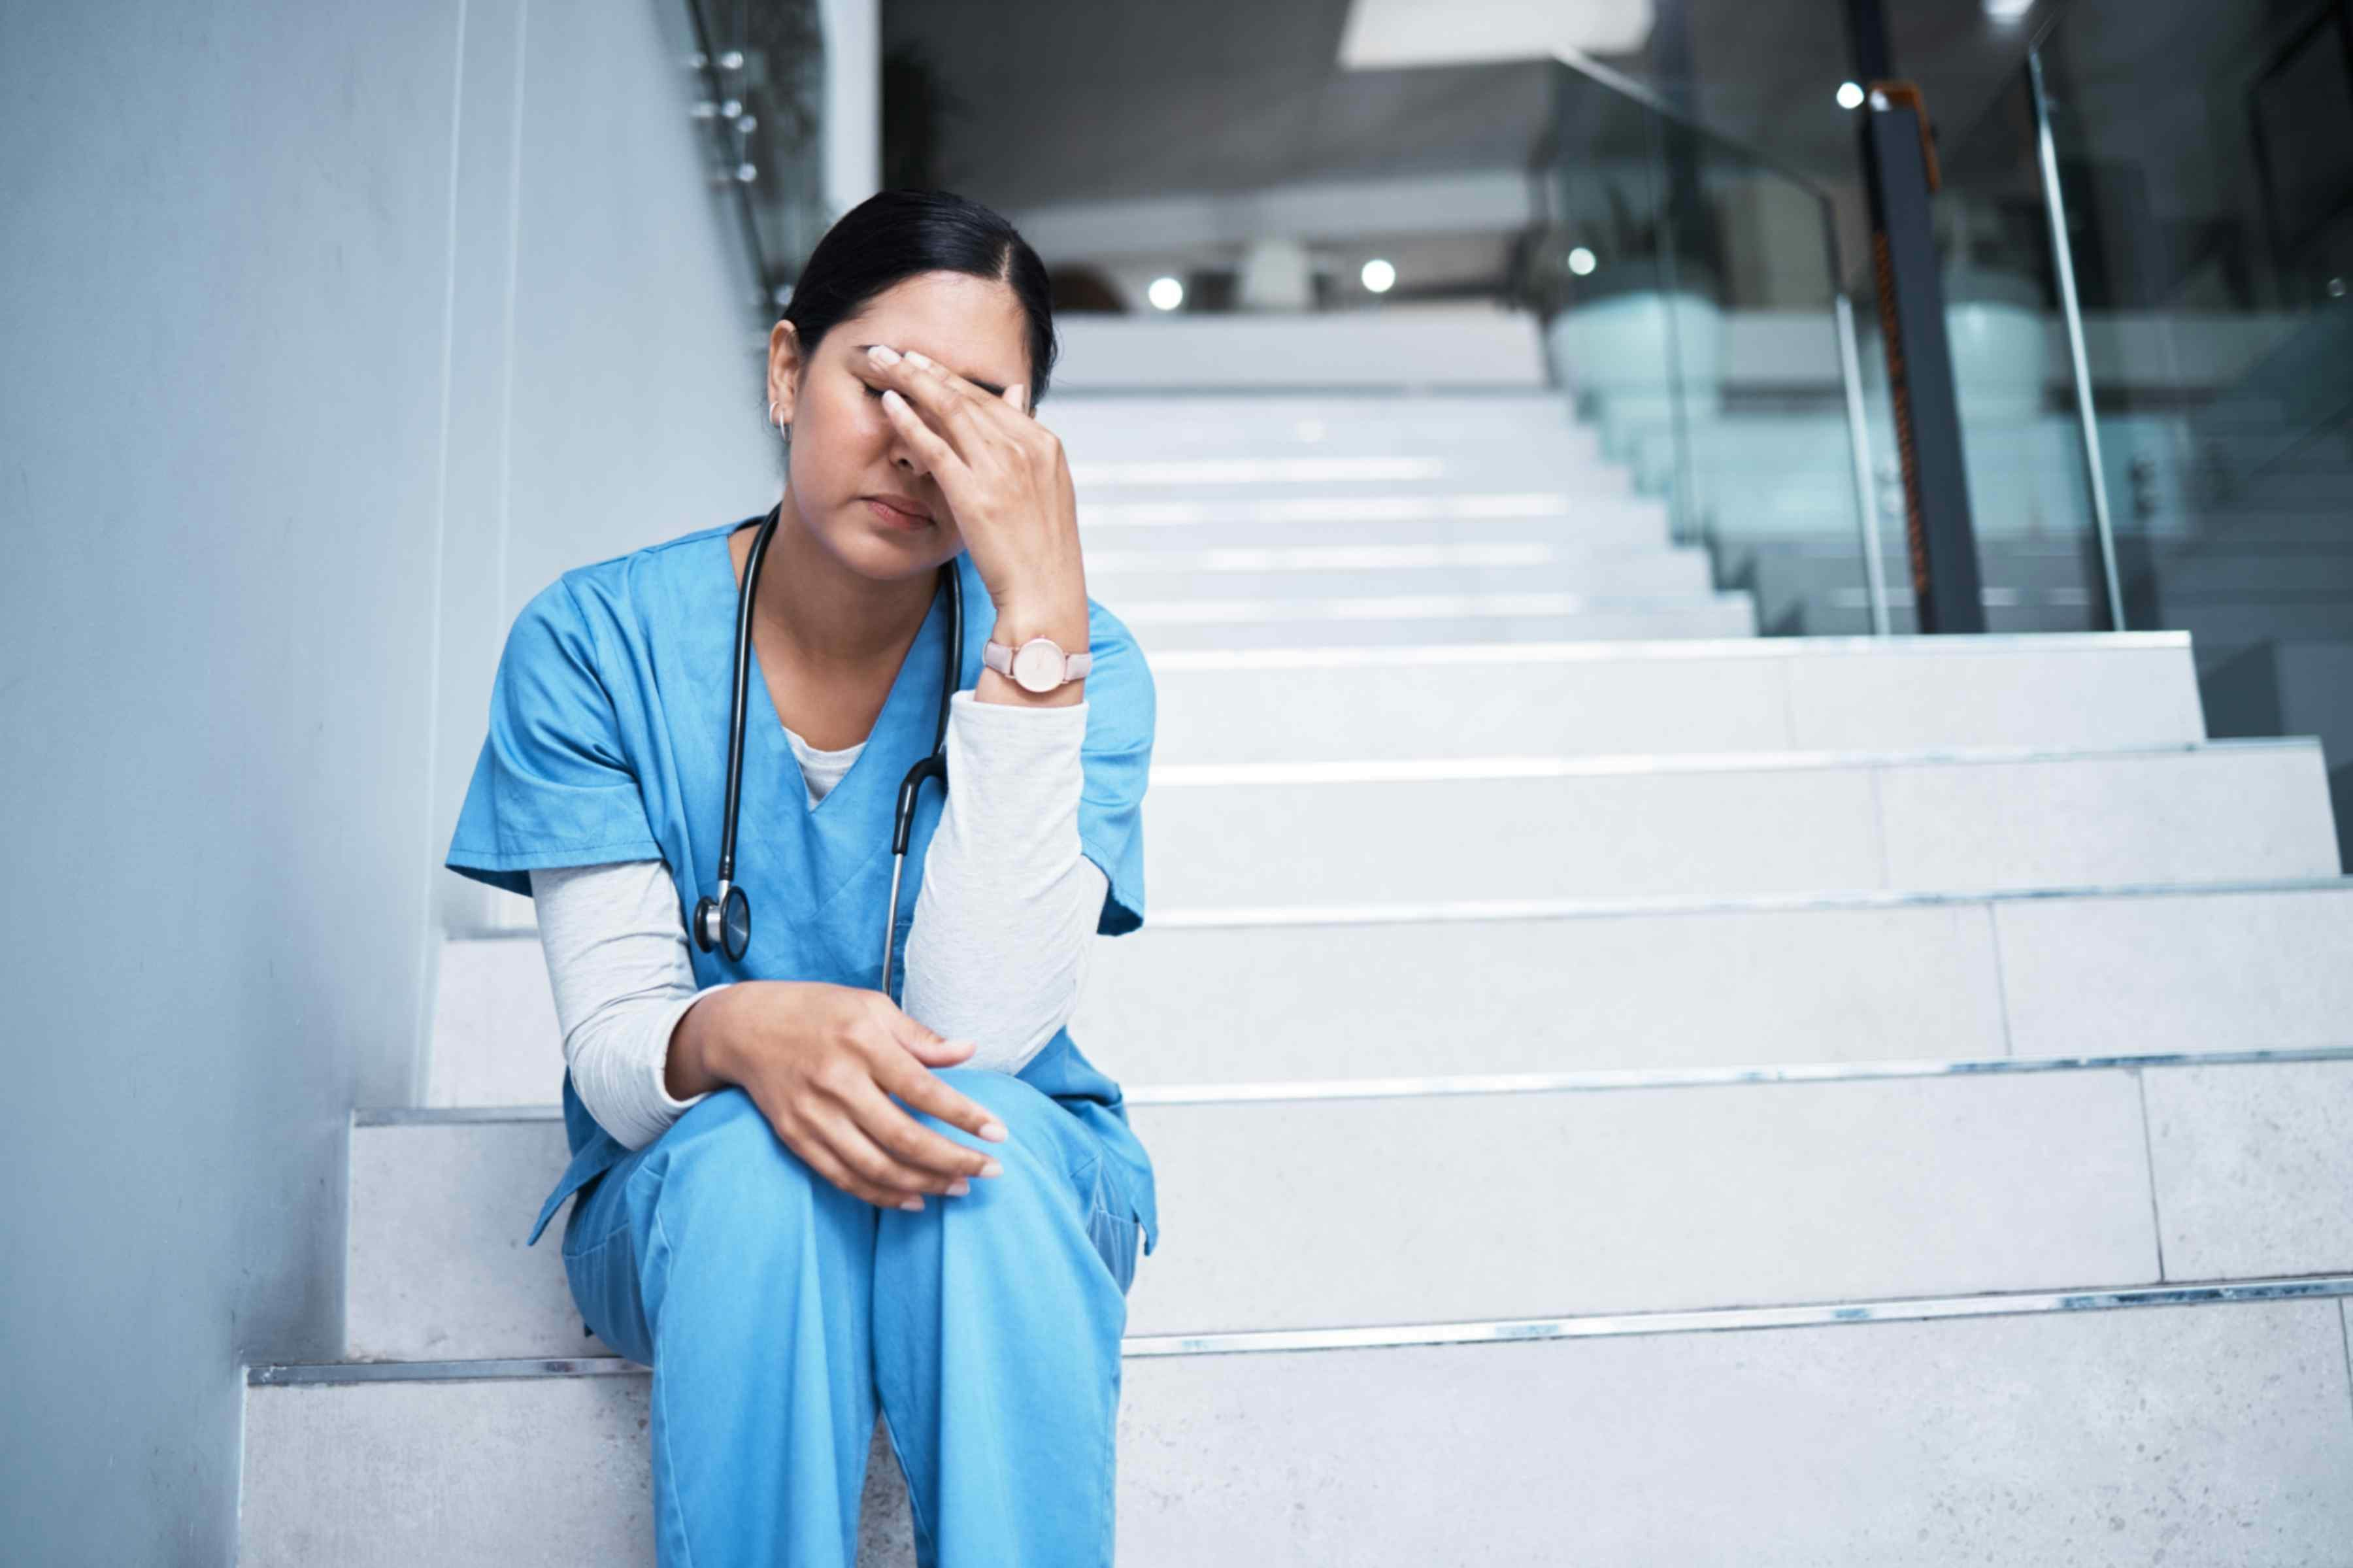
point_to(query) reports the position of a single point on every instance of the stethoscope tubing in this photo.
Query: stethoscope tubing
(713, 926)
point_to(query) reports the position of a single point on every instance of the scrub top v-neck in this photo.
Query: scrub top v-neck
(819, 764)
(761, 705)
(608, 741)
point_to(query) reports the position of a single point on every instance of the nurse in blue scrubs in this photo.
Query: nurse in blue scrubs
(755, 1255)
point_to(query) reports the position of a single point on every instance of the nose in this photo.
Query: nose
(904, 458)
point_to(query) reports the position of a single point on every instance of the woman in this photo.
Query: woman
(752, 1218)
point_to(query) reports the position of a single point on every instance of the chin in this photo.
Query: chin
(872, 551)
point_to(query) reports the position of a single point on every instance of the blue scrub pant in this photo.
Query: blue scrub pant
(774, 1308)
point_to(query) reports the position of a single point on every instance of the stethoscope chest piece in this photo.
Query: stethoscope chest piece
(724, 922)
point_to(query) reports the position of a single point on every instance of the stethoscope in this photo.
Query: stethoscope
(725, 921)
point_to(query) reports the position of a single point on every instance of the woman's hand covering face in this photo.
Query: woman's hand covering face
(1004, 477)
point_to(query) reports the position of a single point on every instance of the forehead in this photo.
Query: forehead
(972, 325)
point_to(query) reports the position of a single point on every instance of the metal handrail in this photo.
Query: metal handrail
(2064, 262)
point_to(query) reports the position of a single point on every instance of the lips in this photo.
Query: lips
(903, 510)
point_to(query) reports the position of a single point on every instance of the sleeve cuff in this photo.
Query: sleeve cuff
(671, 1107)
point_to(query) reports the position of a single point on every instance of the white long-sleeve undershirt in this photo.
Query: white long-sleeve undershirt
(997, 951)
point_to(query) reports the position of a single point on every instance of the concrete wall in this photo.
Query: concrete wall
(334, 330)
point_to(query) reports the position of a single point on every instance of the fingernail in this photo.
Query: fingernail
(912, 1205)
(914, 358)
(882, 356)
(959, 1186)
(892, 399)
(995, 1130)
(992, 1169)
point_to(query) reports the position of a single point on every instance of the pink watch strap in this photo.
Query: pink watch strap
(997, 656)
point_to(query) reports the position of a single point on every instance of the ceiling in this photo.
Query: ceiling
(1061, 100)
(1047, 102)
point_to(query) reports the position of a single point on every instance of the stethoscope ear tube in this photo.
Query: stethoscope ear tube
(911, 788)
(725, 923)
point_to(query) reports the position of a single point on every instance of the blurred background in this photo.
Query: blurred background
(1395, 334)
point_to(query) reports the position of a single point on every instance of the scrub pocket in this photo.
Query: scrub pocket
(1116, 1233)
(600, 1262)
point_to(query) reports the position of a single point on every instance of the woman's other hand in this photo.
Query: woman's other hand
(821, 1062)
(1007, 481)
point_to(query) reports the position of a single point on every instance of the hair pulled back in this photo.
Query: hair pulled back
(893, 236)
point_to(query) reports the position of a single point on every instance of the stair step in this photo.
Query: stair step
(1607, 1195)
(1142, 426)
(1745, 694)
(1525, 515)
(1274, 476)
(1316, 351)
(1385, 991)
(1274, 621)
(1340, 570)
(2082, 1427)
(1381, 991)
(1964, 820)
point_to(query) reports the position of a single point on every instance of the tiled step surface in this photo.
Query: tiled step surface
(1342, 571)
(1535, 516)
(1141, 427)
(1368, 994)
(1747, 694)
(1520, 1202)
(1410, 471)
(1313, 620)
(2212, 1433)
(1256, 835)
(1558, 986)
(1468, 350)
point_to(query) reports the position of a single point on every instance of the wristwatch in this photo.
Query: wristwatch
(1038, 665)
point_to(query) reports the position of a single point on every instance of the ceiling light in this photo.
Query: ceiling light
(1389, 34)
(1165, 293)
(1581, 262)
(1850, 95)
(1378, 275)
(2007, 10)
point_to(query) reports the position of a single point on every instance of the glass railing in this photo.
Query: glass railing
(1691, 293)
(2041, 557)
(2170, 196)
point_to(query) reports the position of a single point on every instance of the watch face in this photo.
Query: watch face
(1038, 664)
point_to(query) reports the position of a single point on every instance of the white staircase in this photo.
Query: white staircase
(1622, 1090)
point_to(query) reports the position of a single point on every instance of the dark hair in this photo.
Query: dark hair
(893, 236)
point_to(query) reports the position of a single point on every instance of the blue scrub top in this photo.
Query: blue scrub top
(609, 730)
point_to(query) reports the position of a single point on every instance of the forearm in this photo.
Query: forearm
(699, 1061)
(1004, 921)
(625, 993)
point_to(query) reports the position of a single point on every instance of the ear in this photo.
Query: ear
(785, 367)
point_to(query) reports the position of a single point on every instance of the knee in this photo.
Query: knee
(724, 1163)
(1038, 1142)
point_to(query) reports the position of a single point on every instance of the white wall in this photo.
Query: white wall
(334, 330)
